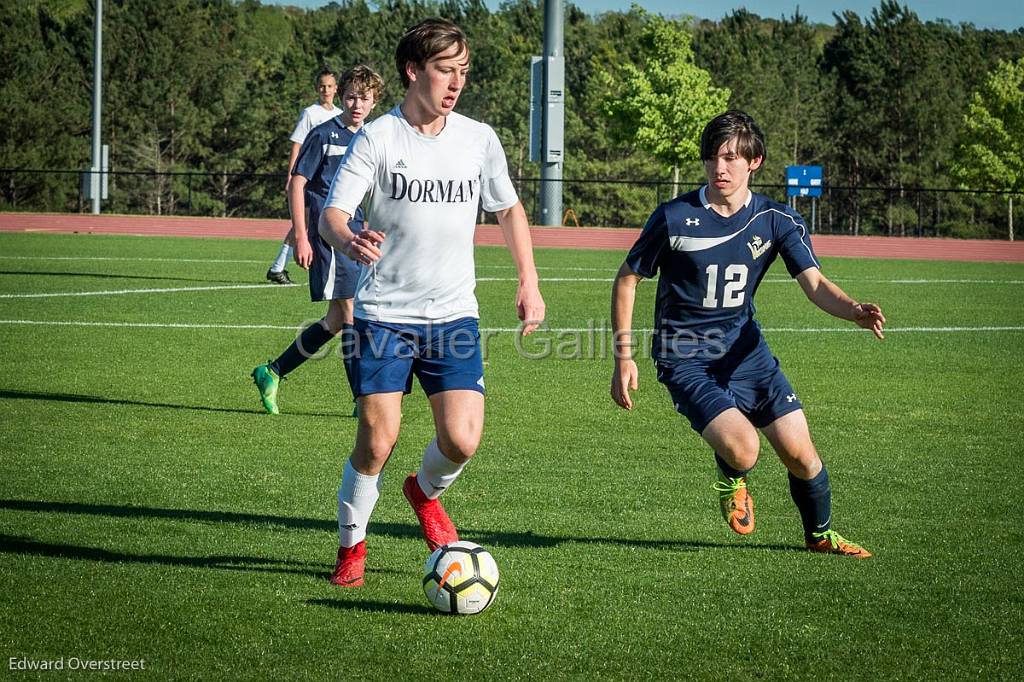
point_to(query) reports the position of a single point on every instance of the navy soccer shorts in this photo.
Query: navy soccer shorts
(332, 275)
(752, 383)
(384, 356)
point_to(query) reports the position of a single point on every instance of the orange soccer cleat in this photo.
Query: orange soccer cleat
(437, 528)
(831, 542)
(348, 571)
(736, 502)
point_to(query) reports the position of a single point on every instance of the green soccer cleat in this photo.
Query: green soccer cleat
(266, 381)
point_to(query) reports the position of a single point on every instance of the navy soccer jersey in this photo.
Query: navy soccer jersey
(320, 156)
(710, 266)
(331, 274)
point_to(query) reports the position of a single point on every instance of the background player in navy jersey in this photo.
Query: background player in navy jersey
(428, 170)
(332, 276)
(320, 111)
(712, 247)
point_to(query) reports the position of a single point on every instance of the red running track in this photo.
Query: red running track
(554, 237)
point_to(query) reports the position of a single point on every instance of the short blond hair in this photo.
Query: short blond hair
(363, 79)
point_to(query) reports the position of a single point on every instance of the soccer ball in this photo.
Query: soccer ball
(460, 578)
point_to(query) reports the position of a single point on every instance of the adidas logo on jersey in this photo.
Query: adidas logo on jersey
(400, 164)
(758, 247)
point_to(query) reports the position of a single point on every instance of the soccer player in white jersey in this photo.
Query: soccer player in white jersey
(427, 171)
(712, 247)
(319, 112)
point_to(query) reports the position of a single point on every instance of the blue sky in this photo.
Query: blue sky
(1002, 14)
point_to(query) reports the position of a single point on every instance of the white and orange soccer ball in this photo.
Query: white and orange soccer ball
(461, 578)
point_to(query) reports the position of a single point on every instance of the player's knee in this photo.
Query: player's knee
(377, 450)
(459, 445)
(375, 441)
(335, 320)
(805, 464)
(741, 450)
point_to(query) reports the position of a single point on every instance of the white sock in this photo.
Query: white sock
(283, 256)
(437, 471)
(357, 496)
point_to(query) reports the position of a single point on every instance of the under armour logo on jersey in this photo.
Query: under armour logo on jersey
(400, 164)
(693, 221)
(791, 397)
(334, 134)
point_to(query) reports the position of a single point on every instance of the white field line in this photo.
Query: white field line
(141, 259)
(504, 330)
(550, 280)
(148, 325)
(783, 280)
(125, 259)
(556, 280)
(122, 292)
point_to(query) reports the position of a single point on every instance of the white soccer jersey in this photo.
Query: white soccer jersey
(310, 118)
(425, 192)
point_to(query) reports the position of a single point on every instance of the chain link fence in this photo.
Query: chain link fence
(890, 211)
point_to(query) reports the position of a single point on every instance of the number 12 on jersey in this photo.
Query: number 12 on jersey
(735, 279)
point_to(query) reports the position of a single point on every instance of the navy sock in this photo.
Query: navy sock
(814, 500)
(309, 342)
(724, 467)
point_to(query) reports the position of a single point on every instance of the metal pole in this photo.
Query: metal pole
(97, 84)
(554, 115)
(1011, 217)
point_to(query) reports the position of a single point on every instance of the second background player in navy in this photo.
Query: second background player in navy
(332, 276)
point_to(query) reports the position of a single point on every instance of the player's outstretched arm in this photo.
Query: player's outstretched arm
(516, 230)
(829, 297)
(362, 248)
(625, 377)
(297, 209)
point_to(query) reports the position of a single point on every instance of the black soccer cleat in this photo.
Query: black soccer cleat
(279, 277)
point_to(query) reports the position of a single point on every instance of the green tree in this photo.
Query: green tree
(45, 101)
(669, 99)
(991, 150)
(773, 69)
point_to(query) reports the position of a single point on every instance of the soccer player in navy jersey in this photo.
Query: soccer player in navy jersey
(712, 247)
(428, 170)
(332, 276)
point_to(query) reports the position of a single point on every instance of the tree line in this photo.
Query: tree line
(200, 96)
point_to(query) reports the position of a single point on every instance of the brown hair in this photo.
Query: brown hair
(732, 124)
(325, 71)
(364, 80)
(424, 40)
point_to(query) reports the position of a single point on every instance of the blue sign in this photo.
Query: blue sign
(804, 181)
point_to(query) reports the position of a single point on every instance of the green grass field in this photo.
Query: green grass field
(150, 510)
